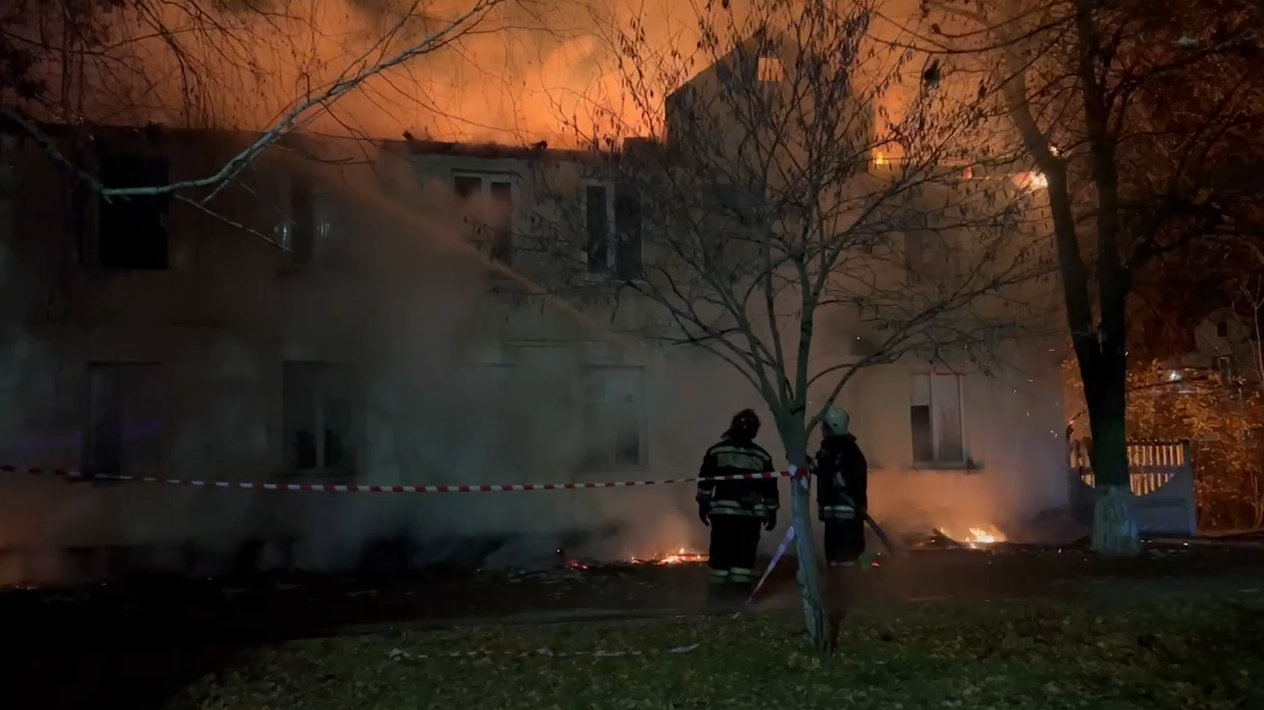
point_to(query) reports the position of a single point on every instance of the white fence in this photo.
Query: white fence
(1161, 476)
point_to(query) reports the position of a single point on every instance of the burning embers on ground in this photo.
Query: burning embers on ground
(679, 556)
(973, 537)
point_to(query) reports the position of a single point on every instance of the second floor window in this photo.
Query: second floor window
(612, 230)
(494, 227)
(131, 232)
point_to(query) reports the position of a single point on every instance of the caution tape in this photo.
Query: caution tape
(361, 488)
(397, 654)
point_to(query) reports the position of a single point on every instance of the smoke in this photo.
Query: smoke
(455, 387)
(522, 71)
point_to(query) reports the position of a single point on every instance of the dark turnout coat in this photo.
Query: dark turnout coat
(841, 468)
(731, 457)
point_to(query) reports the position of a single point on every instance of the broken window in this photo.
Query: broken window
(614, 418)
(132, 231)
(935, 415)
(494, 230)
(319, 417)
(125, 424)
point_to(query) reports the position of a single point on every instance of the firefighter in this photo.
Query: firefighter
(735, 510)
(842, 490)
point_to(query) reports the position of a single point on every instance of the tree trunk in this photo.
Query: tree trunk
(814, 612)
(1104, 372)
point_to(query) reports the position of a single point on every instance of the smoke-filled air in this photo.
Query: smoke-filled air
(506, 71)
(441, 402)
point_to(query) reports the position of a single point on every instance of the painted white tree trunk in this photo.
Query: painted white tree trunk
(1115, 523)
(814, 612)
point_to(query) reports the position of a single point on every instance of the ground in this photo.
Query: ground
(142, 646)
(1034, 654)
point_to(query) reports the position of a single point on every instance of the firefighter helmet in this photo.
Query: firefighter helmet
(835, 422)
(745, 424)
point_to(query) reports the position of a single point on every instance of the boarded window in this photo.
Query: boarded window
(319, 417)
(132, 231)
(125, 420)
(614, 418)
(935, 417)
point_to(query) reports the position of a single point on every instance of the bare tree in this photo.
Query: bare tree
(783, 222)
(1135, 115)
(131, 62)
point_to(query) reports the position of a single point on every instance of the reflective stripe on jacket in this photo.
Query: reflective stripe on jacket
(733, 457)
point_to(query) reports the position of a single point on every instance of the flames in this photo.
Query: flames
(976, 537)
(679, 557)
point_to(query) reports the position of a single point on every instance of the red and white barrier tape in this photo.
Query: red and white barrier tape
(360, 488)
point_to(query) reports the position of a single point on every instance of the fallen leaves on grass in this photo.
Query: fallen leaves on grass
(1043, 655)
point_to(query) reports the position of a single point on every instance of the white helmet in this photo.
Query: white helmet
(835, 422)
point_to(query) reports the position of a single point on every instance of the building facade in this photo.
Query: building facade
(373, 313)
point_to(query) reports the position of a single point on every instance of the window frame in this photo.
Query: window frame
(935, 464)
(88, 458)
(486, 180)
(610, 267)
(610, 463)
(354, 435)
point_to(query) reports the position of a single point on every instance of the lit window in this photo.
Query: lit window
(770, 69)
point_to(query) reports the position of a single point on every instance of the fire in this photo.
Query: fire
(978, 537)
(680, 556)
(982, 537)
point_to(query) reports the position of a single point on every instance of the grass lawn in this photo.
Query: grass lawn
(1044, 656)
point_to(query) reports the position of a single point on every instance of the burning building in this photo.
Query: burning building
(381, 313)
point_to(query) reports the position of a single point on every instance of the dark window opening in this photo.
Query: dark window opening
(319, 417)
(923, 437)
(502, 246)
(597, 219)
(627, 220)
(914, 252)
(132, 231)
(302, 220)
(1222, 329)
(467, 185)
(125, 426)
